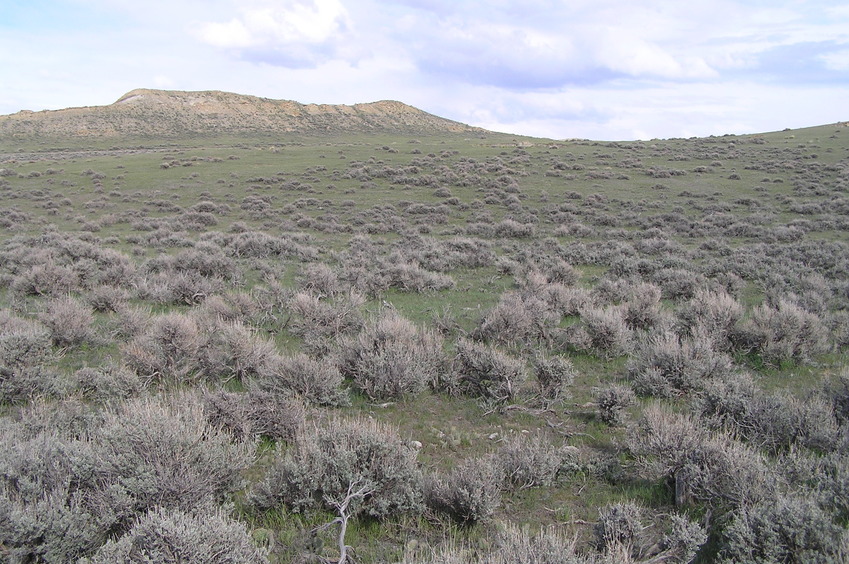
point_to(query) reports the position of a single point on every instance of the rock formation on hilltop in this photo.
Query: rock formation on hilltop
(160, 113)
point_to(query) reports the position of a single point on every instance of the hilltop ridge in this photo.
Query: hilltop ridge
(166, 113)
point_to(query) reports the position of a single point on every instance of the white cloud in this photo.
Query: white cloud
(275, 23)
(837, 60)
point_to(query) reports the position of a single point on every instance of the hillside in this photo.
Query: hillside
(456, 347)
(160, 113)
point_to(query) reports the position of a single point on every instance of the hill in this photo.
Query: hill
(161, 113)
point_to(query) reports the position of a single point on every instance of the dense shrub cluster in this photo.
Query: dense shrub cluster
(64, 492)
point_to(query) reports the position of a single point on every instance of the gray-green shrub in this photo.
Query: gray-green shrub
(470, 493)
(106, 382)
(51, 507)
(642, 308)
(231, 349)
(554, 375)
(518, 317)
(711, 313)
(530, 461)
(607, 332)
(317, 381)
(612, 401)
(328, 457)
(167, 351)
(786, 332)
(25, 349)
(485, 372)
(255, 413)
(205, 534)
(69, 321)
(708, 467)
(667, 364)
(787, 529)
(391, 357)
(163, 452)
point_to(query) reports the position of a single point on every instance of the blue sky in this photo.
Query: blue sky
(598, 69)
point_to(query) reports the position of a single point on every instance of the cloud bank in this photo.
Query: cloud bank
(603, 69)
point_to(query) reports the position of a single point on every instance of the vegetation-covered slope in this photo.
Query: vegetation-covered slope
(461, 348)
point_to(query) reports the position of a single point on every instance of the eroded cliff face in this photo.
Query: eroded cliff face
(164, 113)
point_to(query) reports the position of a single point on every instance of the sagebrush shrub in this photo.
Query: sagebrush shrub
(129, 322)
(317, 381)
(165, 453)
(470, 493)
(713, 468)
(787, 332)
(726, 401)
(231, 349)
(530, 461)
(554, 376)
(774, 422)
(254, 413)
(566, 301)
(52, 507)
(69, 321)
(317, 318)
(167, 351)
(177, 288)
(711, 313)
(781, 421)
(786, 529)
(319, 278)
(827, 476)
(608, 334)
(838, 392)
(620, 536)
(25, 348)
(172, 536)
(46, 279)
(518, 317)
(410, 277)
(612, 402)
(107, 299)
(485, 372)
(642, 308)
(328, 457)
(512, 228)
(392, 358)
(546, 546)
(666, 364)
(618, 529)
(106, 382)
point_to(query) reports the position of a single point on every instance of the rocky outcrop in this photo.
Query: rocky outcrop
(161, 113)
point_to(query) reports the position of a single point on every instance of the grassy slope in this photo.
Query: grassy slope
(750, 178)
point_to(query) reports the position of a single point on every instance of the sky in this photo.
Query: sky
(590, 69)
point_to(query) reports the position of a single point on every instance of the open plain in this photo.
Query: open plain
(373, 335)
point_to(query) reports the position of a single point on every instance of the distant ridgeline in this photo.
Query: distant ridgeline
(172, 113)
